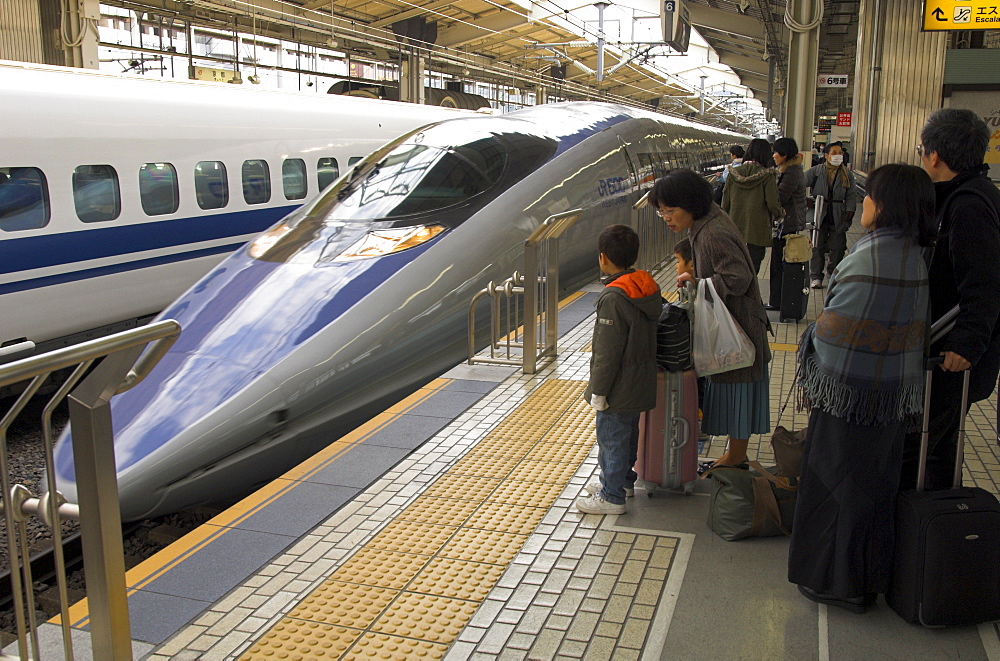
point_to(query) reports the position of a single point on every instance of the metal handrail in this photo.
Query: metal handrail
(541, 312)
(122, 366)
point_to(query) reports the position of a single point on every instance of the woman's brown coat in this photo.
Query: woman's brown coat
(721, 254)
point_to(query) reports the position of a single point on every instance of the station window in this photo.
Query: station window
(293, 178)
(256, 182)
(96, 193)
(158, 189)
(211, 187)
(327, 171)
(24, 199)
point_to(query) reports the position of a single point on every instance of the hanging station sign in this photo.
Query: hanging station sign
(837, 80)
(961, 15)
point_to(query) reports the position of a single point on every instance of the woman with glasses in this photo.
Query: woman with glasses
(735, 402)
(751, 199)
(861, 371)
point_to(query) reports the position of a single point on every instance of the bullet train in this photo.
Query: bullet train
(362, 295)
(118, 193)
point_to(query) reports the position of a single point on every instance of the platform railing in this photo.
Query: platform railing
(101, 368)
(536, 293)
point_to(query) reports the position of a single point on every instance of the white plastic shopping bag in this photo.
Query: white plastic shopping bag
(718, 344)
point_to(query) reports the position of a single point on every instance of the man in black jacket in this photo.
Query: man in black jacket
(964, 272)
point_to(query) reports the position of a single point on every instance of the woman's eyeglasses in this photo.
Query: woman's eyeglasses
(665, 213)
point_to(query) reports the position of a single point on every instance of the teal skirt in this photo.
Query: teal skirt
(739, 410)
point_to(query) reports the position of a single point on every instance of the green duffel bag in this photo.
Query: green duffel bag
(750, 503)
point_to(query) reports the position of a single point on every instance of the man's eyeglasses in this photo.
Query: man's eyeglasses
(920, 151)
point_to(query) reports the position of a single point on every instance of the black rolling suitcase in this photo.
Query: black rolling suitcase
(947, 562)
(794, 291)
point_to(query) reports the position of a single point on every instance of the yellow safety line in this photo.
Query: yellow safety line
(163, 561)
(411, 589)
(777, 346)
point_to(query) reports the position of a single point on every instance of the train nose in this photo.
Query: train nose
(160, 426)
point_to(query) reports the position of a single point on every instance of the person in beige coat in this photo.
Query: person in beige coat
(736, 403)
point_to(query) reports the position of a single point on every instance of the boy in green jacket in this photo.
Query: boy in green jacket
(622, 367)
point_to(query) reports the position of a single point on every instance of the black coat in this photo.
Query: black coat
(965, 271)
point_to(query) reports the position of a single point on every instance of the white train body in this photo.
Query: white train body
(60, 276)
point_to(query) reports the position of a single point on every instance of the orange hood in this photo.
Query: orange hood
(637, 284)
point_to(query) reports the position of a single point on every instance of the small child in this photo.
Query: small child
(622, 367)
(685, 264)
(682, 252)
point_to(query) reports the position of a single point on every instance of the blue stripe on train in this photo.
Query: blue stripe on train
(33, 252)
(120, 267)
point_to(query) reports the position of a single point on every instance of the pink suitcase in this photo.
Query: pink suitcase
(668, 435)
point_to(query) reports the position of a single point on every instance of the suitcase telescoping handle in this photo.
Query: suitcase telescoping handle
(818, 211)
(939, 329)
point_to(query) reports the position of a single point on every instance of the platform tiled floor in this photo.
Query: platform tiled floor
(470, 548)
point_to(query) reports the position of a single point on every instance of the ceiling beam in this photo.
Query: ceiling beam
(462, 33)
(744, 63)
(411, 13)
(726, 21)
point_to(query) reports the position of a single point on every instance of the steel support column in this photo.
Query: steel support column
(898, 81)
(78, 33)
(803, 61)
(411, 78)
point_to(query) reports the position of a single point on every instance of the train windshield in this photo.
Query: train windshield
(433, 169)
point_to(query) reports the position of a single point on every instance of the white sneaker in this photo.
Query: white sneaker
(594, 489)
(597, 505)
(817, 283)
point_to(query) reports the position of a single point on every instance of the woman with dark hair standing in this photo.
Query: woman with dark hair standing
(792, 195)
(861, 371)
(751, 199)
(735, 402)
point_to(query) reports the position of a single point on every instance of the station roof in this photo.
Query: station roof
(501, 40)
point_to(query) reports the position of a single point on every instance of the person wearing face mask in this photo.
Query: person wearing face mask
(835, 183)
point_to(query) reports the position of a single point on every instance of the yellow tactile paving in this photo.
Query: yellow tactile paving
(297, 639)
(444, 511)
(537, 494)
(564, 452)
(410, 591)
(484, 546)
(412, 537)
(344, 604)
(463, 487)
(498, 467)
(381, 646)
(506, 518)
(427, 617)
(387, 569)
(495, 446)
(462, 579)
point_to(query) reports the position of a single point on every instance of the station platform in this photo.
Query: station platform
(445, 528)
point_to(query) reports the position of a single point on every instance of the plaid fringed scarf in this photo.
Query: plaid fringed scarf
(862, 360)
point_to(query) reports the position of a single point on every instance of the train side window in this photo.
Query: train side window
(327, 172)
(96, 193)
(211, 186)
(24, 199)
(352, 160)
(256, 182)
(293, 178)
(158, 189)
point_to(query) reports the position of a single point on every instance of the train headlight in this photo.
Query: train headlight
(377, 243)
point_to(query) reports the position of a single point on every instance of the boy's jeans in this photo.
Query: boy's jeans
(618, 446)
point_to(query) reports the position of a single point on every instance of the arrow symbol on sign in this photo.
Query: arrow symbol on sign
(939, 15)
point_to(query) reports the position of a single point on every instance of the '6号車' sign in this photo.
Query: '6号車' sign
(832, 81)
